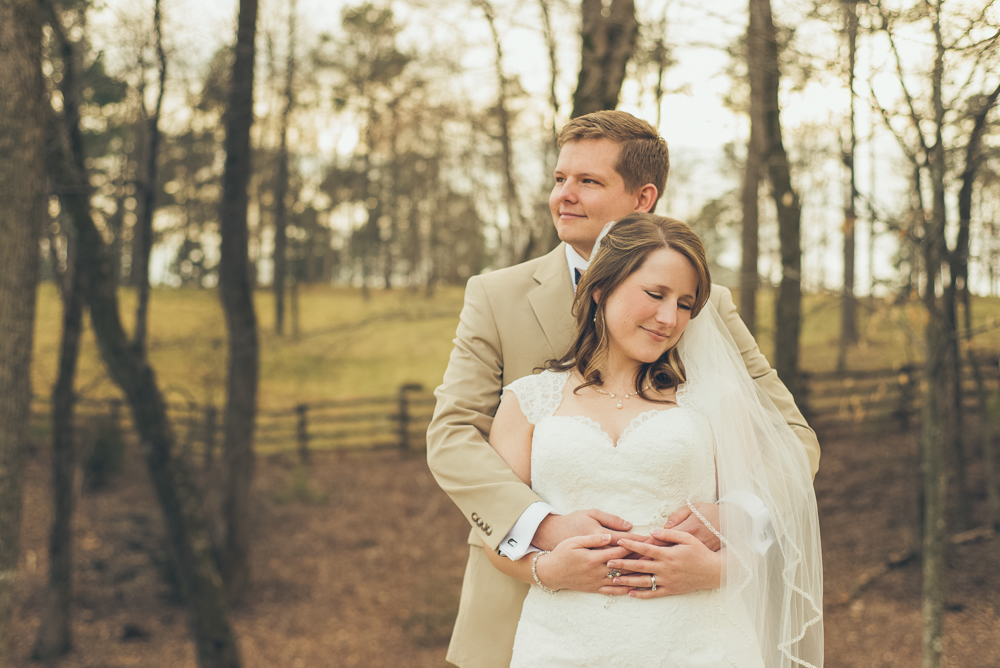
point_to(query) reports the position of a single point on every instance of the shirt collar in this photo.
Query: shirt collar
(574, 261)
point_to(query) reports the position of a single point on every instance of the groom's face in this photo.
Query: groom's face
(589, 192)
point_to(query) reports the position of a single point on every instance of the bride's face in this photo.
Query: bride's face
(648, 312)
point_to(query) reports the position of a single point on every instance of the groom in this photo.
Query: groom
(610, 164)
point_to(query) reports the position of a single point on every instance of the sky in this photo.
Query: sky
(694, 119)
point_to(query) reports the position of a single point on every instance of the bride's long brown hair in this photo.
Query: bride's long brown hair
(630, 241)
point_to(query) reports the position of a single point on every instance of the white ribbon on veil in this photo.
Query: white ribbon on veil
(781, 589)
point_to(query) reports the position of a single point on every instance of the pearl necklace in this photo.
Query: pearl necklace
(624, 396)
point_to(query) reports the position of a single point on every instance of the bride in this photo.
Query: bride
(640, 421)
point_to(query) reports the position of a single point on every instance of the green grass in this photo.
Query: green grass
(350, 347)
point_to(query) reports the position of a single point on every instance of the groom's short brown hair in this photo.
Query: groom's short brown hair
(643, 157)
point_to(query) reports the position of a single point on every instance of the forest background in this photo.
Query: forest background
(336, 172)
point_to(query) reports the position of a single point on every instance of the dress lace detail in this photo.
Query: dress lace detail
(663, 459)
(540, 395)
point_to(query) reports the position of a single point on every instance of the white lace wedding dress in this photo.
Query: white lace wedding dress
(663, 459)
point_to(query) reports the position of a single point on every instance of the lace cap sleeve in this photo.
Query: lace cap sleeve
(539, 395)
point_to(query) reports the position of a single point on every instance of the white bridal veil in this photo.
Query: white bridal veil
(779, 588)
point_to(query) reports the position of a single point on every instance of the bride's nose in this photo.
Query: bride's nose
(667, 314)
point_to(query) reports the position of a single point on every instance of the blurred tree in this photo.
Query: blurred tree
(55, 631)
(22, 197)
(236, 293)
(176, 491)
(944, 118)
(765, 74)
(143, 237)
(519, 234)
(281, 186)
(369, 66)
(848, 303)
(608, 32)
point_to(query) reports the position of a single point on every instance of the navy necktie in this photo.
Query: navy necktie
(576, 276)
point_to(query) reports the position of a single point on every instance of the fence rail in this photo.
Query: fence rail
(832, 401)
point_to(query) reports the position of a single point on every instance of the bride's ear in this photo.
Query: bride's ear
(596, 295)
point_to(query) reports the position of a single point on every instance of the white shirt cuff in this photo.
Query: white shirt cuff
(517, 542)
(761, 528)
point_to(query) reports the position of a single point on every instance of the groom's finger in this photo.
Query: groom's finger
(610, 521)
(591, 540)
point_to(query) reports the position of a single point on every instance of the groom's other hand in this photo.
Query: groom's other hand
(554, 529)
(686, 521)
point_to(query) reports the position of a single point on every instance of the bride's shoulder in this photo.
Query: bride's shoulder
(539, 394)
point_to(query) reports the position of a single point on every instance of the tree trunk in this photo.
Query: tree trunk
(175, 488)
(609, 32)
(143, 243)
(55, 633)
(22, 183)
(749, 274)
(957, 292)
(848, 304)
(939, 402)
(281, 187)
(765, 77)
(516, 220)
(236, 291)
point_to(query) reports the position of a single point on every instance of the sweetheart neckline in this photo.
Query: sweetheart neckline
(631, 427)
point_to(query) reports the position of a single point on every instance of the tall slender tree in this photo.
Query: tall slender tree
(848, 304)
(281, 185)
(765, 78)
(143, 239)
(22, 183)
(236, 292)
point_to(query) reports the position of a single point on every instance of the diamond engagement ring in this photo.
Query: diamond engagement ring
(652, 579)
(614, 573)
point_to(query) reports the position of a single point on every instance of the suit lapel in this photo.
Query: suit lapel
(552, 300)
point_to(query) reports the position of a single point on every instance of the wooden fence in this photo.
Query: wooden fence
(838, 400)
(833, 401)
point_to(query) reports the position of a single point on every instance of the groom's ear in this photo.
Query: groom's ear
(646, 199)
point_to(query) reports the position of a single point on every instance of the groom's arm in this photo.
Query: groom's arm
(475, 477)
(766, 377)
(491, 497)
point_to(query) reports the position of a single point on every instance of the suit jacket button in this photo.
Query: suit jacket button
(489, 531)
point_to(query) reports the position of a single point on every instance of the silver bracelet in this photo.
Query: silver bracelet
(534, 573)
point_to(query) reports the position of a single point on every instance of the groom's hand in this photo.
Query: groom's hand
(686, 521)
(554, 529)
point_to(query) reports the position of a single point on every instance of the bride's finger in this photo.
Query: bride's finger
(642, 581)
(674, 536)
(610, 590)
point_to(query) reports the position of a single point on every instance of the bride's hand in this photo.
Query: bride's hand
(685, 566)
(580, 563)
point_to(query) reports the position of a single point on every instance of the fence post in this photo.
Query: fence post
(302, 432)
(403, 414)
(210, 418)
(906, 396)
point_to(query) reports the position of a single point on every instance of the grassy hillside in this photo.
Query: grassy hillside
(349, 347)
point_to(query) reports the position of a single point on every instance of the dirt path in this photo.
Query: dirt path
(360, 564)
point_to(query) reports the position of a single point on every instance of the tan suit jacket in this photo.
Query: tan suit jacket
(513, 320)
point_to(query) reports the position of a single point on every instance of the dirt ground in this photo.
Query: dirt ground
(359, 561)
